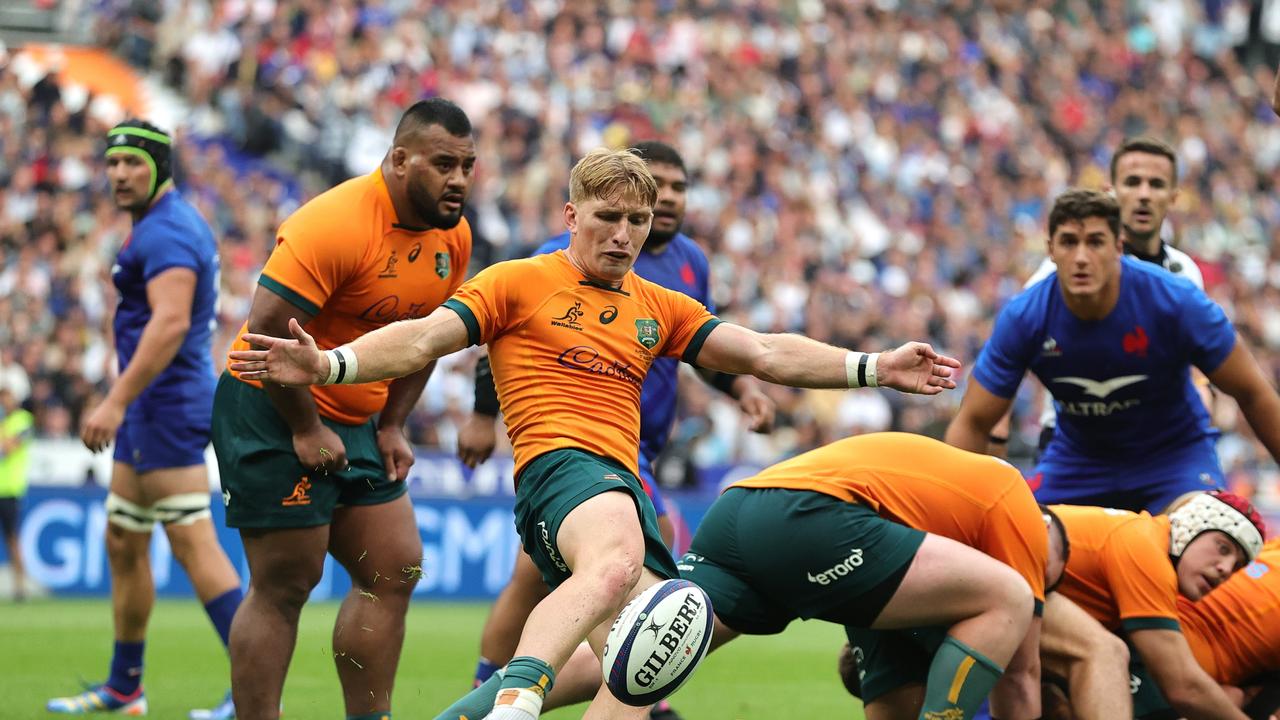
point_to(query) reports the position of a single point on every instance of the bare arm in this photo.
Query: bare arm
(979, 412)
(1093, 660)
(269, 315)
(391, 351)
(1017, 693)
(798, 361)
(1186, 685)
(170, 295)
(1240, 377)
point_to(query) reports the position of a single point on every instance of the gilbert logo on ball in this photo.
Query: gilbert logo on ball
(657, 641)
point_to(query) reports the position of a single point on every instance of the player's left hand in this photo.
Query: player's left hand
(100, 426)
(286, 362)
(916, 368)
(757, 407)
(397, 456)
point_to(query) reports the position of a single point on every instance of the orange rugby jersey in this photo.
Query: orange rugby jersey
(1119, 570)
(569, 356)
(978, 500)
(1234, 631)
(344, 259)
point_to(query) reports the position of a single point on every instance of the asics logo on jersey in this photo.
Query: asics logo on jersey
(1135, 683)
(585, 358)
(414, 252)
(300, 495)
(1256, 569)
(1102, 388)
(608, 315)
(839, 570)
(570, 318)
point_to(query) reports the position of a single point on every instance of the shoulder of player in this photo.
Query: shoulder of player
(1153, 282)
(177, 222)
(552, 244)
(1183, 265)
(336, 208)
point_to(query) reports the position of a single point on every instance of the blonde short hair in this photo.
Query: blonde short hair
(604, 174)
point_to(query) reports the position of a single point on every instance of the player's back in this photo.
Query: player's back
(683, 267)
(1122, 385)
(170, 235)
(345, 259)
(979, 500)
(1119, 570)
(1234, 631)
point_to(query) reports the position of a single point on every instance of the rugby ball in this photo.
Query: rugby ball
(657, 641)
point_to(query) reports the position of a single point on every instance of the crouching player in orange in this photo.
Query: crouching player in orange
(885, 531)
(1120, 573)
(1234, 634)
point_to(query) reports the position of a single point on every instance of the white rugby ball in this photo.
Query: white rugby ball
(657, 641)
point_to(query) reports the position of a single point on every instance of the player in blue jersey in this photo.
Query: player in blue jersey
(1144, 180)
(158, 413)
(671, 259)
(1114, 339)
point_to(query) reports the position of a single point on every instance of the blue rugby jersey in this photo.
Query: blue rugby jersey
(1121, 385)
(171, 234)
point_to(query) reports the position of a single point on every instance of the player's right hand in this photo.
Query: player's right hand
(285, 362)
(476, 439)
(320, 449)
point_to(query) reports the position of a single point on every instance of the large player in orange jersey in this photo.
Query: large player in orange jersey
(571, 336)
(307, 471)
(1120, 572)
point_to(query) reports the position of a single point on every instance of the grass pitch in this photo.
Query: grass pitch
(47, 645)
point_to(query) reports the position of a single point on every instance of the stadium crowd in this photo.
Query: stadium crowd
(863, 172)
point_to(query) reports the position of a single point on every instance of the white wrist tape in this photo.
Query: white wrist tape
(860, 369)
(342, 366)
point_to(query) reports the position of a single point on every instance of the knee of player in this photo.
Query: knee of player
(1014, 595)
(290, 587)
(1107, 647)
(618, 574)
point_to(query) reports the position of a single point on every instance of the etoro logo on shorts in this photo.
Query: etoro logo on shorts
(551, 551)
(839, 570)
(299, 496)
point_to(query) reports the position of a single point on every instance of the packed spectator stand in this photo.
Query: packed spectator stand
(865, 172)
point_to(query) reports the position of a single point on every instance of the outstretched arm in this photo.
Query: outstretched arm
(392, 351)
(798, 361)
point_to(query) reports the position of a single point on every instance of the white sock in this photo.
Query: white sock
(516, 704)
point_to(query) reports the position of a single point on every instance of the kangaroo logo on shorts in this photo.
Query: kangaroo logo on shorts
(442, 265)
(647, 332)
(299, 495)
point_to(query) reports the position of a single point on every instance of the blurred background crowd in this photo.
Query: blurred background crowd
(863, 171)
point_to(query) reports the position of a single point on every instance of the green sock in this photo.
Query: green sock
(477, 703)
(529, 673)
(960, 678)
(371, 716)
